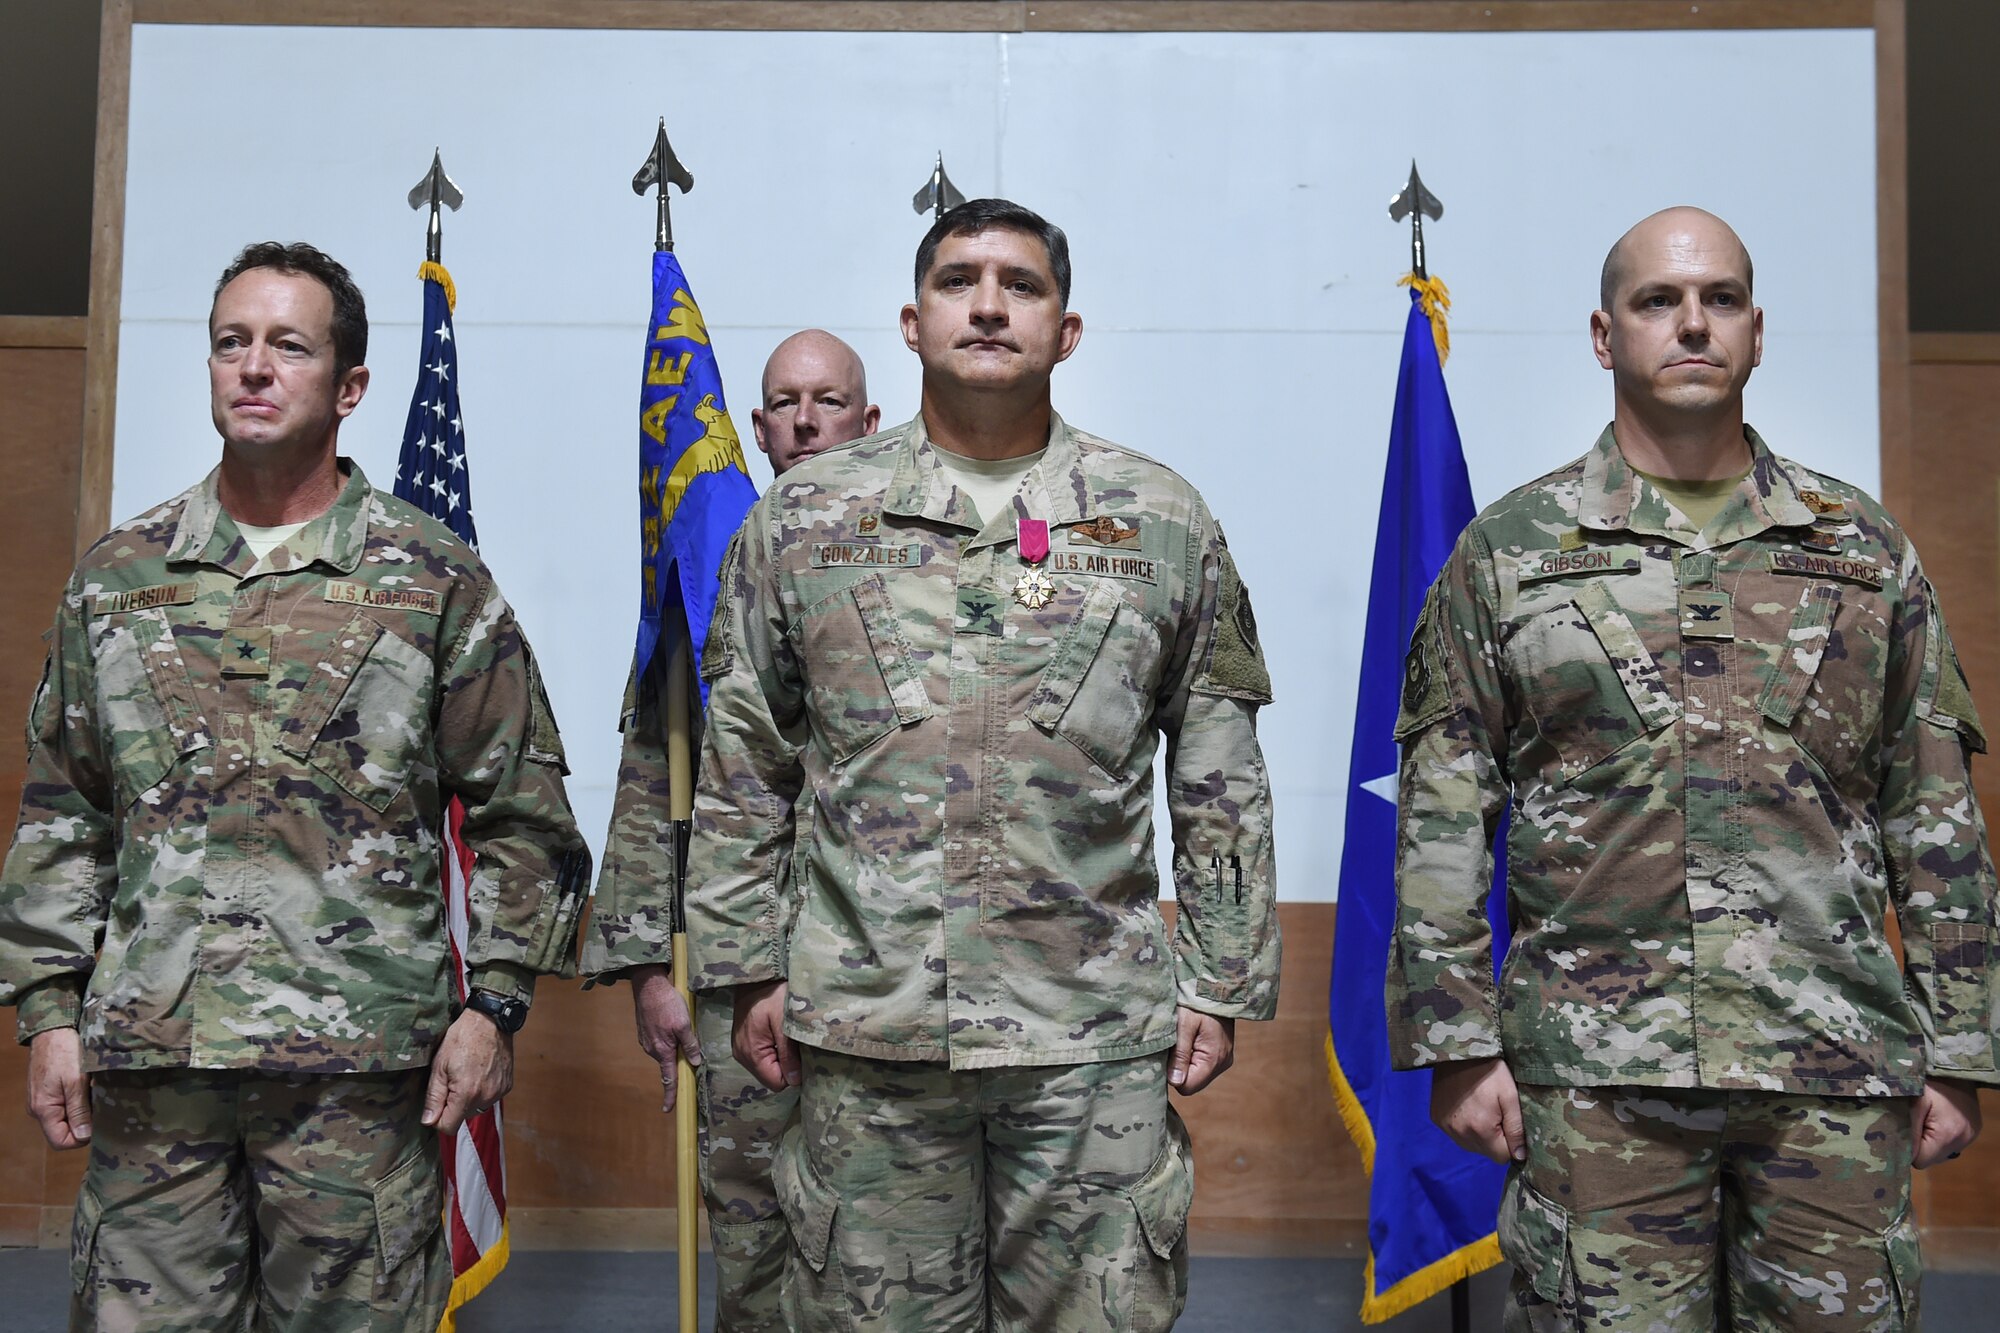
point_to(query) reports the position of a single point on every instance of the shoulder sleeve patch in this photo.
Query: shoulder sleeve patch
(40, 723)
(718, 653)
(544, 741)
(1426, 677)
(1235, 657)
(1946, 697)
(628, 709)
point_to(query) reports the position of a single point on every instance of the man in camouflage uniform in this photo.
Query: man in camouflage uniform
(222, 919)
(940, 677)
(815, 397)
(1719, 693)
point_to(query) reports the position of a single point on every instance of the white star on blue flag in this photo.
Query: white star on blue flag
(429, 475)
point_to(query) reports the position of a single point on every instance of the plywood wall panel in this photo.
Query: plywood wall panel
(41, 420)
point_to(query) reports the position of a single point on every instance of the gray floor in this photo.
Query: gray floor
(547, 1292)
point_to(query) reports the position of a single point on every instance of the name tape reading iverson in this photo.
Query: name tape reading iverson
(143, 599)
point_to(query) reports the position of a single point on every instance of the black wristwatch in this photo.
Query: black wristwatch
(507, 1013)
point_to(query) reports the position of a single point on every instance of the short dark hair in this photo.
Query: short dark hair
(976, 215)
(350, 312)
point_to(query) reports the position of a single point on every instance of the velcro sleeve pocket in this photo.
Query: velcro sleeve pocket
(1235, 665)
(1426, 695)
(1967, 1000)
(544, 741)
(1944, 697)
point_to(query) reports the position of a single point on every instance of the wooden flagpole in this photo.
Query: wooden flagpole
(680, 801)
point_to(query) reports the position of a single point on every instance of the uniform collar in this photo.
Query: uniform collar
(1057, 488)
(206, 534)
(1615, 498)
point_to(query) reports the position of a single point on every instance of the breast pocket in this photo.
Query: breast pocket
(1588, 680)
(864, 680)
(1824, 687)
(1097, 690)
(144, 700)
(362, 712)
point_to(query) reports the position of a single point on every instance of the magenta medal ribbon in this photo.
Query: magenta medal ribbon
(1033, 589)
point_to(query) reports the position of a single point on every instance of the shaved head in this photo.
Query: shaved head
(815, 397)
(1665, 228)
(828, 352)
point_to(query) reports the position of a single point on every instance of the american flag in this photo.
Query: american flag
(432, 476)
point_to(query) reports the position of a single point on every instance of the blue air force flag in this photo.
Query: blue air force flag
(693, 486)
(1431, 1205)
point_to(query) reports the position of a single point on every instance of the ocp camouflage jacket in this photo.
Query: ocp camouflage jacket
(966, 779)
(1729, 754)
(237, 776)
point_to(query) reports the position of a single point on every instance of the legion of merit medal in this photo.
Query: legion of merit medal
(1033, 589)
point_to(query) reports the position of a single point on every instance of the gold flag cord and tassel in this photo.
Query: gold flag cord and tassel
(437, 273)
(1435, 298)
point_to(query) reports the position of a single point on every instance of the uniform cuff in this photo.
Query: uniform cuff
(508, 979)
(55, 1003)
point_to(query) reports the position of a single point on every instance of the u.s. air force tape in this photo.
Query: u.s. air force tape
(392, 599)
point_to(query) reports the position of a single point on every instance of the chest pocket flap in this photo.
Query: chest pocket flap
(363, 716)
(1589, 680)
(866, 680)
(1097, 690)
(145, 702)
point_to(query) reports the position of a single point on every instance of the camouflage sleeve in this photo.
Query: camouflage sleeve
(1226, 945)
(1450, 795)
(751, 773)
(499, 753)
(62, 867)
(1942, 871)
(631, 920)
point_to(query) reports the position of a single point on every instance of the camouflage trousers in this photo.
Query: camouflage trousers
(1658, 1210)
(741, 1123)
(1045, 1199)
(231, 1199)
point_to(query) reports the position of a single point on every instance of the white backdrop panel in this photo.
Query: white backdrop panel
(1223, 194)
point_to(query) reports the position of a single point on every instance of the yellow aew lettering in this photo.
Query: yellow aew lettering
(683, 321)
(664, 369)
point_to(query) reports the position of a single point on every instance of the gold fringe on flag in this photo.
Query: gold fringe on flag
(1436, 300)
(1432, 1278)
(487, 1267)
(430, 272)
